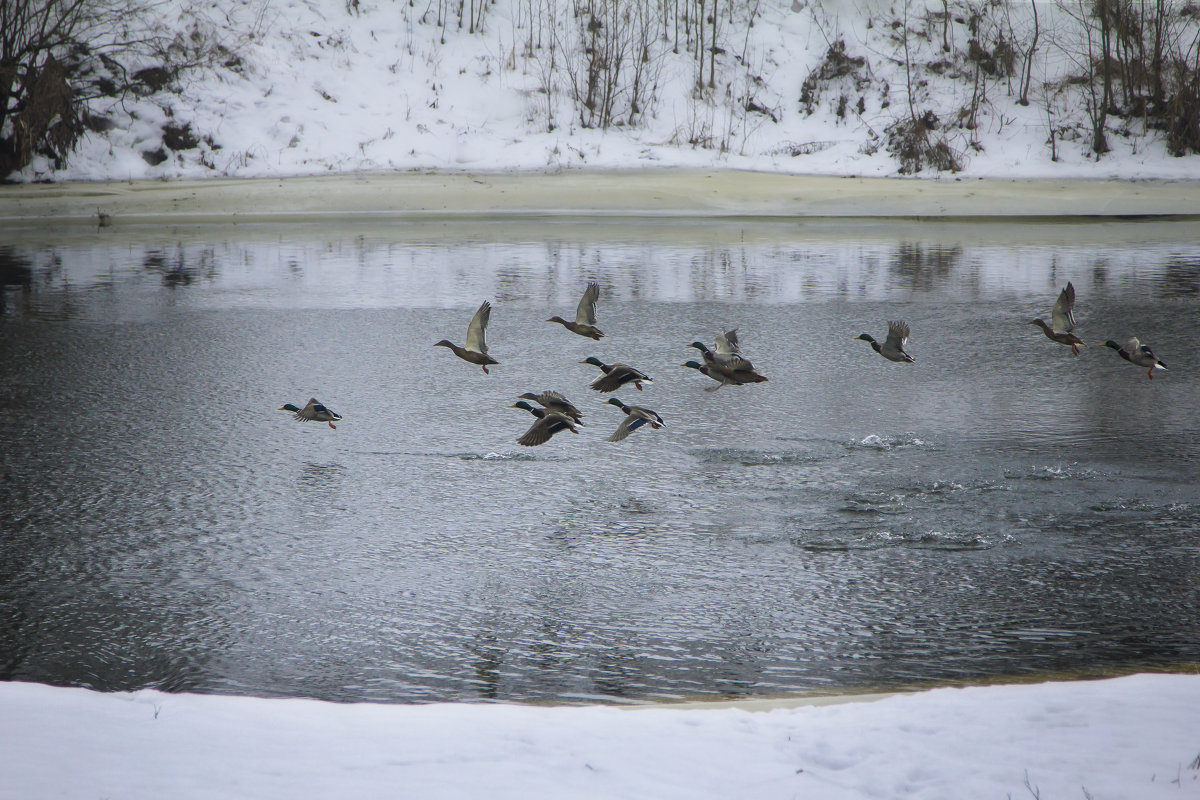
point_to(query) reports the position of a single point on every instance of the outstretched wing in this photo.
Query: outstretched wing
(560, 404)
(319, 408)
(1062, 318)
(897, 335)
(478, 326)
(727, 343)
(609, 382)
(541, 431)
(309, 412)
(586, 313)
(627, 426)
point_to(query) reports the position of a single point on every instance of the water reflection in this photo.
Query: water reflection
(15, 272)
(921, 267)
(434, 265)
(179, 267)
(995, 508)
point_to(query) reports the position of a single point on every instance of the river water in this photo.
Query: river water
(998, 508)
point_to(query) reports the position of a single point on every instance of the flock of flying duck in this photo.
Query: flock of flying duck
(724, 363)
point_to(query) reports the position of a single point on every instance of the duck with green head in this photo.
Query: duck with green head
(1137, 353)
(635, 417)
(548, 423)
(725, 375)
(553, 401)
(725, 363)
(726, 351)
(893, 347)
(313, 412)
(615, 376)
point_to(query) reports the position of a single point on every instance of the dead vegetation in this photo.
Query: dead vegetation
(1132, 70)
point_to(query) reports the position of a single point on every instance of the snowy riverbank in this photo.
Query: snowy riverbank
(1131, 737)
(648, 192)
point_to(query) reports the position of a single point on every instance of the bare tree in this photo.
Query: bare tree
(46, 46)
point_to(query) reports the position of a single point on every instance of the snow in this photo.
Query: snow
(305, 87)
(1131, 737)
(314, 90)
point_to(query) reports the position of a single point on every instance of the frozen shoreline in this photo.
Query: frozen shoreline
(647, 192)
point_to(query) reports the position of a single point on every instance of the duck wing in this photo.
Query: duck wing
(897, 335)
(628, 425)
(617, 376)
(323, 412)
(586, 313)
(650, 416)
(609, 382)
(475, 331)
(309, 412)
(727, 343)
(556, 402)
(1146, 356)
(541, 431)
(1062, 317)
(314, 411)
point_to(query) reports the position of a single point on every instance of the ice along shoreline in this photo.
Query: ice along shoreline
(632, 193)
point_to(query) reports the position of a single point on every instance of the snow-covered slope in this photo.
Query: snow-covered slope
(314, 86)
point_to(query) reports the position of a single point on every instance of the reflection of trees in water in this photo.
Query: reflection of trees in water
(180, 268)
(1181, 276)
(487, 663)
(925, 266)
(16, 271)
(1177, 276)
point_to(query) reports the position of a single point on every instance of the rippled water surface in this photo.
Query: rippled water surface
(998, 507)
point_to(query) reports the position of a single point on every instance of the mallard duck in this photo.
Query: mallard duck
(548, 424)
(893, 348)
(635, 417)
(313, 412)
(1062, 321)
(475, 350)
(1137, 353)
(553, 401)
(727, 354)
(615, 376)
(585, 315)
(727, 347)
(724, 375)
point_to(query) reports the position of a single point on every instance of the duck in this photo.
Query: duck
(635, 417)
(1137, 353)
(548, 423)
(615, 376)
(893, 348)
(313, 412)
(553, 401)
(727, 348)
(1062, 320)
(475, 350)
(727, 355)
(724, 375)
(585, 315)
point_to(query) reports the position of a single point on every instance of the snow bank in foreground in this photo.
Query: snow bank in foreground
(1132, 737)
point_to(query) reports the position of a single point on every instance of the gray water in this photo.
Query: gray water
(998, 508)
